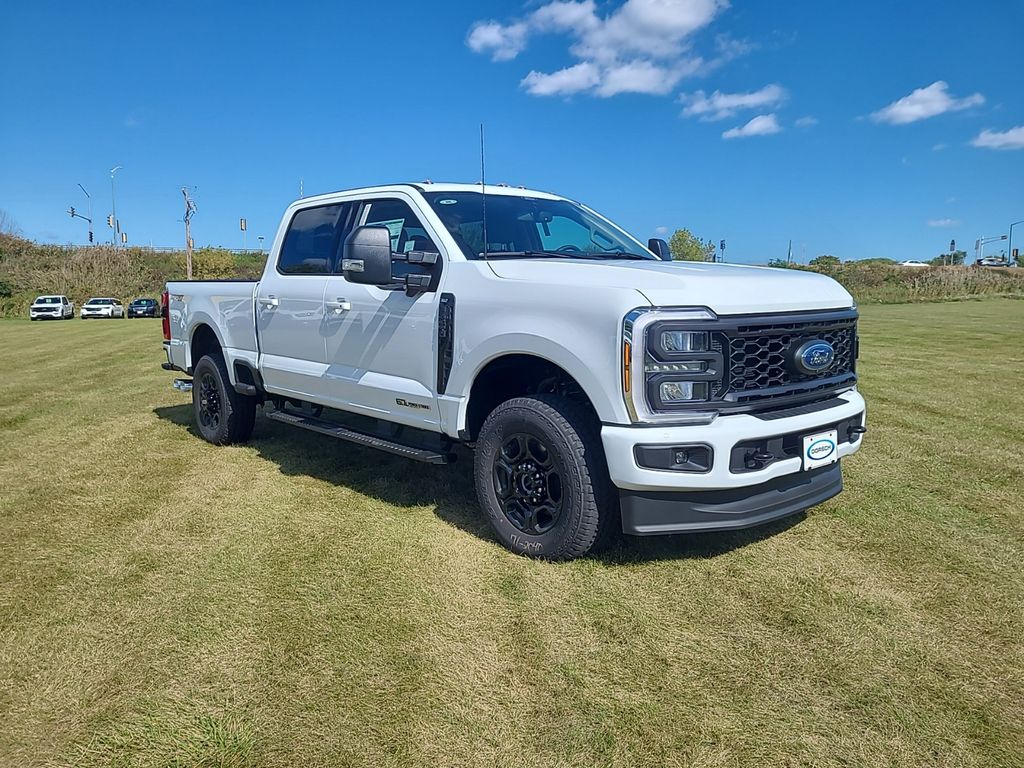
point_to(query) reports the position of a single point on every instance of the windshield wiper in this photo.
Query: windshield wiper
(588, 255)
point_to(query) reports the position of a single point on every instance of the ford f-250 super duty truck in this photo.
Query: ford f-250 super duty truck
(601, 386)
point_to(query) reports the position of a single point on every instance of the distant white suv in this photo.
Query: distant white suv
(51, 308)
(105, 307)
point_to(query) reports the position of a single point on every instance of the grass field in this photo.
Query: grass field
(300, 602)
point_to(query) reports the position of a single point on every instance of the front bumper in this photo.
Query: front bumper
(725, 496)
(649, 514)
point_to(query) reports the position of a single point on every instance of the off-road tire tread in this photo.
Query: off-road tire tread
(579, 427)
(238, 417)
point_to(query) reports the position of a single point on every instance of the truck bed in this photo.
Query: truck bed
(226, 305)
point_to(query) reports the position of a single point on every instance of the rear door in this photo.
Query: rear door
(381, 352)
(290, 301)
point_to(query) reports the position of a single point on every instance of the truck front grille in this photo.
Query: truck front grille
(760, 358)
(759, 351)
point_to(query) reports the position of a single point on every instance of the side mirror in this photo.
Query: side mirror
(659, 248)
(366, 257)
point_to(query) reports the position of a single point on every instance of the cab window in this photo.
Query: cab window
(312, 241)
(407, 233)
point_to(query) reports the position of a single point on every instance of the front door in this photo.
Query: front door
(381, 352)
(290, 302)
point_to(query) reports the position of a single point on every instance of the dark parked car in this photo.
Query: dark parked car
(144, 308)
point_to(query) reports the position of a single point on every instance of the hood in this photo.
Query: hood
(727, 289)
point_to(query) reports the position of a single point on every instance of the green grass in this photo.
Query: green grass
(300, 602)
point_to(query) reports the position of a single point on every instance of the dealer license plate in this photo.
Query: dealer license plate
(821, 449)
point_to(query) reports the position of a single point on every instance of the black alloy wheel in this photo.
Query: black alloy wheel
(528, 484)
(209, 403)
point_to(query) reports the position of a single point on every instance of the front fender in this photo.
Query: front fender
(602, 392)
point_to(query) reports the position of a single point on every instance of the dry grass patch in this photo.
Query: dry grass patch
(297, 601)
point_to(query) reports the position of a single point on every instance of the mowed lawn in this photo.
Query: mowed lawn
(300, 602)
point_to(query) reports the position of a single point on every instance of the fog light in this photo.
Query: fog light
(682, 391)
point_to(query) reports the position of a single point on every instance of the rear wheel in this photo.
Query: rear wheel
(542, 480)
(222, 415)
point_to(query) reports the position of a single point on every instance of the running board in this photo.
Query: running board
(333, 429)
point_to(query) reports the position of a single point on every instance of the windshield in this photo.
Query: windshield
(99, 302)
(143, 302)
(524, 227)
(48, 300)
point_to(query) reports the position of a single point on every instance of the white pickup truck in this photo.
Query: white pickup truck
(601, 386)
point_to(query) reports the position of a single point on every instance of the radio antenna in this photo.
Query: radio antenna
(483, 192)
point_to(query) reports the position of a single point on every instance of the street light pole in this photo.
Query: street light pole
(113, 204)
(1009, 246)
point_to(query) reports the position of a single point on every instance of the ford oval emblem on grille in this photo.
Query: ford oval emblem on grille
(813, 356)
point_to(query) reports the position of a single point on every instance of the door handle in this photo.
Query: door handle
(269, 301)
(339, 306)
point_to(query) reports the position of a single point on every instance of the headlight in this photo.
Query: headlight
(672, 392)
(683, 341)
(671, 365)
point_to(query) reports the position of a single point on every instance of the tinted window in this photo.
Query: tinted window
(311, 243)
(407, 233)
(526, 225)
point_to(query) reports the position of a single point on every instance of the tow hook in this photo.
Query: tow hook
(758, 459)
(851, 431)
(183, 385)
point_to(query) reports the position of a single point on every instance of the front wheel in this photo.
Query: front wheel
(222, 415)
(542, 480)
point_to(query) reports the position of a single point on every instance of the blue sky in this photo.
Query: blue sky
(755, 122)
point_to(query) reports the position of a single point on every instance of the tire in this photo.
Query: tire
(33, 319)
(222, 416)
(542, 480)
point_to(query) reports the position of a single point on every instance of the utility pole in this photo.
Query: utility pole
(190, 209)
(113, 207)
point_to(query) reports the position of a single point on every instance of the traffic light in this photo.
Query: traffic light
(110, 221)
(241, 224)
(71, 211)
(124, 238)
(722, 246)
(90, 235)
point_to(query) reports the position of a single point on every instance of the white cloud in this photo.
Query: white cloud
(641, 77)
(502, 42)
(648, 28)
(924, 103)
(640, 47)
(762, 125)
(944, 223)
(1009, 139)
(938, 147)
(564, 82)
(806, 122)
(661, 231)
(719, 106)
